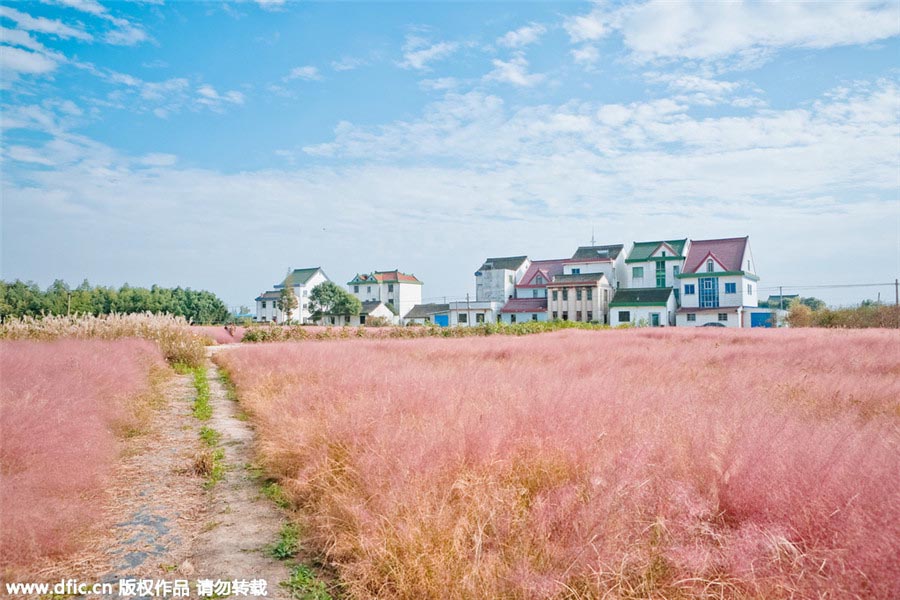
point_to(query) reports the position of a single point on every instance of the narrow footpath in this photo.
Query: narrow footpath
(241, 524)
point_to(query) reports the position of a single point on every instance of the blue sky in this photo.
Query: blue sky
(214, 145)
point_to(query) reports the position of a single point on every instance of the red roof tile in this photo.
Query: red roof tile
(525, 305)
(728, 252)
(548, 268)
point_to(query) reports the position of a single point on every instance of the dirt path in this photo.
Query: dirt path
(241, 524)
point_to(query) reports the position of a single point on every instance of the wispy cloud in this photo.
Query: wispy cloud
(208, 96)
(123, 31)
(307, 73)
(43, 25)
(418, 52)
(522, 36)
(587, 55)
(348, 63)
(514, 71)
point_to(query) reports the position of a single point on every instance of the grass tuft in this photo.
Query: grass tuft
(303, 585)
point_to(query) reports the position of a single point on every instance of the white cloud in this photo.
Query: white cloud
(15, 60)
(348, 63)
(663, 29)
(270, 4)
(208, 96)
(586, 55)
(123, 33)
(157, 159)
(42, 25)
(514, 71)
(522, 36)
(308, 73)
(418, 52)
(439, 84)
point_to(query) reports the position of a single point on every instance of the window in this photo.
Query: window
(355, 289)
(676, 270)
(709, 266)
(660, 273)
(731, 288)
(689, 289)
(510, 279)
(263, 304)
(368, 289)
(479, 317)
(723, 316)
(709, 292)
(533, 317)
(624, 316)
(565, 294)
(347, 319)
(578, 294)
(565, 315)
(534, 294)
(463, 318)
(332, 320)
(576, 271)
(539, 280)
(749, 288)
(555, 294)
(590, 293)
(590, 315)
(362, 319)
(390, 287)
(637, 272)
(748, 264)
(555, 315)
(305, 293)
(663, 253)
(577, 315)
(512, 318)
(691, 318)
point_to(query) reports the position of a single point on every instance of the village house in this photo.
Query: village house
(302, 281)
(496, 279)
(718, 285)
(653, 307)
(582, 297)
(609, 260)
(529, 300)
(400, 292)
(428, 314)
(656, 264)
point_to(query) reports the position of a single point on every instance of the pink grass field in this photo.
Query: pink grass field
(219, 334)
(610, 464)
(63, 404)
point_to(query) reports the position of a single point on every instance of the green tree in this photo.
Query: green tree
(813, 303)
(287, 303)
(328, 298)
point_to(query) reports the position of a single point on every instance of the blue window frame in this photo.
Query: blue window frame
(689, 289)
(731, 288)
(709, 292)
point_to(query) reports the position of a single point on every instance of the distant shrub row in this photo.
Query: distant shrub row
(861, 317)
(19, 299)
(172, 334)
(274, 333)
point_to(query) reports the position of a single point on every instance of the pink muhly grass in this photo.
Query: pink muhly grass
(677, 463)
(62, 406)
(219, 334)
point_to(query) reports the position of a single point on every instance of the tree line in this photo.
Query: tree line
(26, 299)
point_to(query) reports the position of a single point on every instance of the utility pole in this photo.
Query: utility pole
(897, 292)
(780, 298)
(68, 303)
(468, 315)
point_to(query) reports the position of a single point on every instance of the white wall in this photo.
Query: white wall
(522, 317)
(490, 310)
(598, 305)
(641, 314)
(734, 318)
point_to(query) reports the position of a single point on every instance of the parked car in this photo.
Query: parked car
(713, 325)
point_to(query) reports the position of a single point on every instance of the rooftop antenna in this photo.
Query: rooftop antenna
(593, 241)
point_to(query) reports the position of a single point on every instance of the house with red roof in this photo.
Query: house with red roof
(529, 301)
(718, 284)
(399, 291)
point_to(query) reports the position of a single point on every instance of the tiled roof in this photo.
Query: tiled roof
(272, 295)
(511, 263)
(610, 252)
(525, 305)
(548, 268)
(643, 250)
(718, 309)
(577, 278)
(729, 252)
(420, 311)
(369, 306)
(299, 276)
(638, 296)
(394, 276)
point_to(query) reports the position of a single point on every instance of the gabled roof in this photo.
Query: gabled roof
(368, 307)
(420, 311)
(642, 251)
(299, 277)
(589, 253)
(510, 263)
(641, 296)
(394, 276)
(547, 268)
(271, 295)
(729, 252)
(525, 305)
(560, 280)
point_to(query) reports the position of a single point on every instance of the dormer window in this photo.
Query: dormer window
(709, 266)
(663, 253)
(539, 280)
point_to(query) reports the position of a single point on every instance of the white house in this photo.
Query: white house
(302, 281)
(533, 283)
(656, 264)
(400, 291)
(497, 278)
(428, 314)
(518, 310)
(718, 284)
(609, 260)
(580, 297)
(654, 307)
(470, 314)
(373, 308)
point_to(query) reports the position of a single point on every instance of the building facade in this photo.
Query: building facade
(582, 297)
(651, 307)
(302, 281)
(399, 291)
(496, 280)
